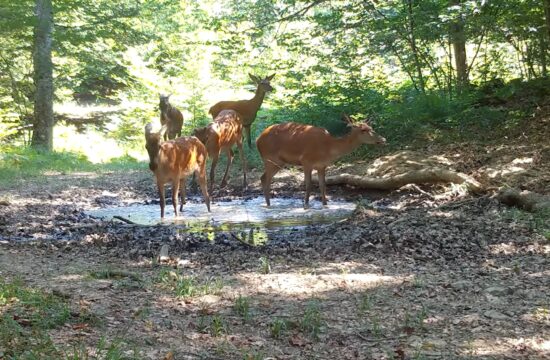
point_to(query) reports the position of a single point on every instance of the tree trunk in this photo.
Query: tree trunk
(458, 39)
(546, 4)
(414, 48)
(42, 137)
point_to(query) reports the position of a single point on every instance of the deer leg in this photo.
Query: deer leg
(183, 186)
(247, 132)
(213, 170)
(201, 174)
(243, 162)
(270, 170)
(307, 178)
(175, 191)
(229, 153)
(162, 199)
(322, 184)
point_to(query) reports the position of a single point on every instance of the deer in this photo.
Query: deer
(172, 161)
(171, 117)
(246, 108)
(310, 147)
(219, 136)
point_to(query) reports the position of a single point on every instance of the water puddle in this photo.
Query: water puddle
(248, 220)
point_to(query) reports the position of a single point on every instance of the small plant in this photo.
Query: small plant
(253, 355)
(242, 307)
(278, 327)
(418, 283)
(312, 321)
(365, 303)
(415, 321)
(218, 326)
(375, 327)
(185, 287)
(265, 266)
(212, 286)
(202, 325)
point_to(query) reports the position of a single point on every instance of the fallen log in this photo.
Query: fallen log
(525, 200)
(423, 176)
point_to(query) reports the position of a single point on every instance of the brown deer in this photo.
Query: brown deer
(246, 108)
(221, 135)
(310, 147)
(171, 117)
(173, 160)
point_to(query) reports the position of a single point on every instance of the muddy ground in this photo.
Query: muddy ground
(418, 273)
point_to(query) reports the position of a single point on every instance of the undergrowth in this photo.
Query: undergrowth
(29, 314)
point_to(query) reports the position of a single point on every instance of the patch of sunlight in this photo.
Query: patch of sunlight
(500, 346)
(69, 277)
(306, 285)
(512, 248)
(515, 166)
(78, 110)
(92, 144)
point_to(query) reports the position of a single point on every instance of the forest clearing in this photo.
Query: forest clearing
(370, 180)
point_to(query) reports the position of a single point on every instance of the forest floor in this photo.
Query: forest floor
(417, 273)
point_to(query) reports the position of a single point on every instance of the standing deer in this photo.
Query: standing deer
(221, 135)
(171, 161)
(246, 108)
(310, 147)
(171, 117)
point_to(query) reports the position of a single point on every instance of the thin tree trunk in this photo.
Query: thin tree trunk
(459, 46)
(546, 4)
(43, 76)
(414, 48)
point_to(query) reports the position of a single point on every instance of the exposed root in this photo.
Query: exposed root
(423, 176)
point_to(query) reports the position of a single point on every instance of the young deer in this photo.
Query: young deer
(310, 147)
(246, 108)
(171, 161)
(221, 135)
(171, 117)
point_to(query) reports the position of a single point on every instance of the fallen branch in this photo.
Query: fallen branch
(123, 219)
(525, 200)
(424, 176)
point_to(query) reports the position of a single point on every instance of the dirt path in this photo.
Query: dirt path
(411, 278)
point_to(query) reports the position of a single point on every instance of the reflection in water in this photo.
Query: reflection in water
(249, 221)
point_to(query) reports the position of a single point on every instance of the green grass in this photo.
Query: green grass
(21, 163)
(242, 307)
(28, 314)
(312, 320)
(189, 286)
(538, 221)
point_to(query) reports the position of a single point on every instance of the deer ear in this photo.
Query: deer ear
(345, 118)
(148, 129)
(270, 77)
(254, 78)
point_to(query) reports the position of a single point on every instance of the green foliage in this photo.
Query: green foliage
(265, 265)
(242, 307)
(189, 286)
(312, 321)
(278, 327)
(20, 163)
(27, 314)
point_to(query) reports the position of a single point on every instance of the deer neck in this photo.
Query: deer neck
(257, 99)
(346, 144)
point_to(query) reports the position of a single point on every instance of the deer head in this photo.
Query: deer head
(164, 102)
(263, 84)
(201, 134)
(365, 132)
(152, 144)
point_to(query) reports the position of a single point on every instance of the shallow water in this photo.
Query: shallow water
(250, 218)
